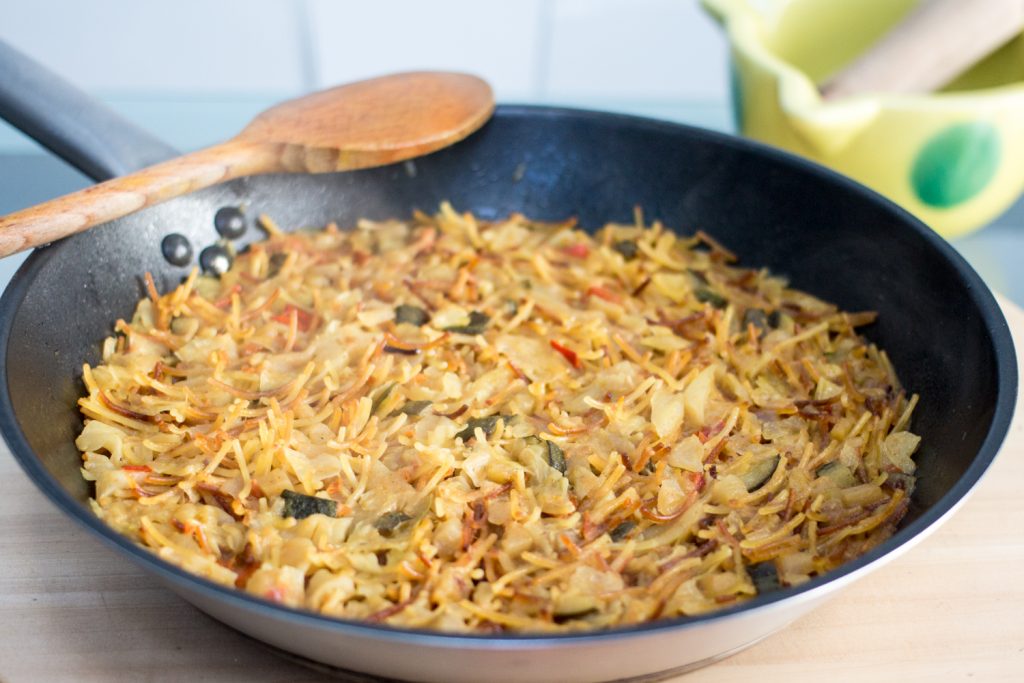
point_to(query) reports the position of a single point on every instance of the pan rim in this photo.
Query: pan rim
(990, 316)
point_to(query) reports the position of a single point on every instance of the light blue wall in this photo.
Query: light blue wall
(194, 71)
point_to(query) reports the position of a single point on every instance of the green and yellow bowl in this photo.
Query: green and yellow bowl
(955, 158)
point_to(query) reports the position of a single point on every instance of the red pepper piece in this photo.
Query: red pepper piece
(606, 294)
(577, 250)
(569, 354)
(225, 300)
(304, 318)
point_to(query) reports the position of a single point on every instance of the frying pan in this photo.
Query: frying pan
(829, 235)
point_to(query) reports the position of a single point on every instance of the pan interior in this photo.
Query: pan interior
(828, 236)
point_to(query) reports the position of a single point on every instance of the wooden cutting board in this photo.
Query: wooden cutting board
(950, 609)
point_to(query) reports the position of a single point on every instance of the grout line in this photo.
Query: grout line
(307, 46)
(542, 56)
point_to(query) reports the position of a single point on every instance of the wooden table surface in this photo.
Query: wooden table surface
(950, 609)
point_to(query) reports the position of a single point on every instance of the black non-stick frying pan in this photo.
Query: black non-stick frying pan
(830, 236)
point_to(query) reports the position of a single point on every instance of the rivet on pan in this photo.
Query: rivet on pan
(177, 249)
(230, 222)
(215, 260)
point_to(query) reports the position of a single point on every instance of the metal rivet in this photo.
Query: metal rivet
(230, 222)
(215, 260)
(177, 249)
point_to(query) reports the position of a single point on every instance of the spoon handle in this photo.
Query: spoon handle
(78, 211)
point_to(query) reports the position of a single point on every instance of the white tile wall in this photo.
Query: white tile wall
(196, 70)
(187, 46)
(634, 50)
(501, 41)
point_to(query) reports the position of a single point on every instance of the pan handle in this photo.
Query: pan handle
(75, 126)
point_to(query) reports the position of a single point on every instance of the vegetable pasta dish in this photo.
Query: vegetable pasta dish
(477, 426)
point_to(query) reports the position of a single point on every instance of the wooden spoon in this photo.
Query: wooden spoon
(364, 124)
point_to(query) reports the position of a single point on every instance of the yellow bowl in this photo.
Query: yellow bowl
(954, 158)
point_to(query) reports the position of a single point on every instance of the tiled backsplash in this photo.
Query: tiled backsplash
(505, 42)
(121, 47)
(648, 50)
(217, 62)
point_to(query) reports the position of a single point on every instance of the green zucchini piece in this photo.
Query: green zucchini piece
(627, 248)
(556, 457)
(708, 296)
(389, 521)
(622, 530)
(756, 317)
(765, 577)
(300, 506)
(485, 423)
(562, 618)
(394, 349)
(274, 264)
(760, 472)
(414, 407)
(381, 396)
(837, 472)
(412, 315)
(476, 325)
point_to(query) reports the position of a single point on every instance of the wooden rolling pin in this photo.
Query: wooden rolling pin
(938, 41)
